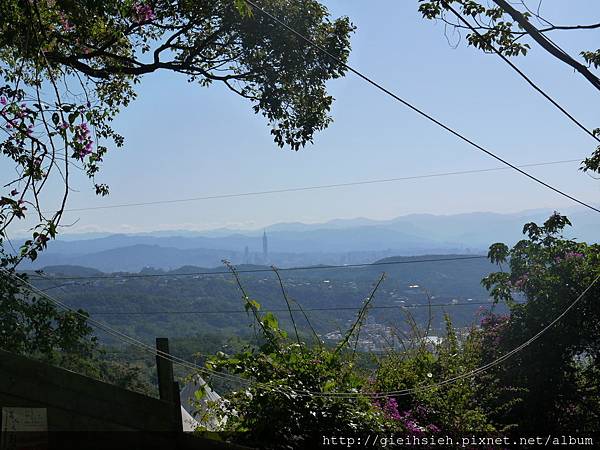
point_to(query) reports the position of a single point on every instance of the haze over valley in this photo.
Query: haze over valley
(341, 241)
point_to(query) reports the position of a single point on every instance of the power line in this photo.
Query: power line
(522, 74)
(418, 110)
(149, 349)
(471, 373)
(187, 364)
(287, 269)
(122, 336)
(315, 187)
(242, 311)
(58, 286)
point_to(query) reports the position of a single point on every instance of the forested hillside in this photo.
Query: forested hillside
(191, 300)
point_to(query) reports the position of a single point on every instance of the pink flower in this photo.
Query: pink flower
(433, 428)
(413, 427)
(573, 255)
(82, 141)
(3, 101)
(391, 409)
(143, 13)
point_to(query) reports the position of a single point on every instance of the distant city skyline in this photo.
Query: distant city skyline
(296, 244)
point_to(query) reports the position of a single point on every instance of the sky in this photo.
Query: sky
(184, 140)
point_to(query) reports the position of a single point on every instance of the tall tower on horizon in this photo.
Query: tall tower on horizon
(265, 248)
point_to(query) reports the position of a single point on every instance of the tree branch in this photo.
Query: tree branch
(537, 36)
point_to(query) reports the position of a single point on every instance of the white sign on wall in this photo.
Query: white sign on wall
(24, 428)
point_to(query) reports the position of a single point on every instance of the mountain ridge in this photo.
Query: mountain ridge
(340, 241)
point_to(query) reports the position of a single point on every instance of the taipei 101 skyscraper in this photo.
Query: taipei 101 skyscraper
(265, 248)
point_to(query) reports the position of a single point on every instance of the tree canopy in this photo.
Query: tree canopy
(68, 67)
(558, 374)
(511, 29)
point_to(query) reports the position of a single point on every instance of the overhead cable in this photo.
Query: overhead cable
(418, 110)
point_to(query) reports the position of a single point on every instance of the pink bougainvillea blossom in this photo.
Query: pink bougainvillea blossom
(82, 141)
(391, 409)
(434, 429)
(143, 12)
(573, 255)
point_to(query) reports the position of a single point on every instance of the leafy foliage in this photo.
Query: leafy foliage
(550, 384)
(291, 395)
(275, 413)
(452, 409)
(504, 27)
(67, 70)
(494, 30)
(69, 67)
(275, 410)
(33, 325)
(556, 373)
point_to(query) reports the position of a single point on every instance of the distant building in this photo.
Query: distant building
(265, 248)
(246, 255)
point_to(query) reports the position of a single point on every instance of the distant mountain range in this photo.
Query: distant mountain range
(340, 241)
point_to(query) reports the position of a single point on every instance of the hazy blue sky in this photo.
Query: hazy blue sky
(184, 140)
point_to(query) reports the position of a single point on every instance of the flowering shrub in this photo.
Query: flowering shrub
(33, 131)
(277, 414)
(407, 422)
(452, 409)
(548, 272)
(143, 13)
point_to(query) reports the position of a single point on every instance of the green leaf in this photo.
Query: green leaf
(270, 321)
(200, 393)
(498, 252)
(252, 304)
(329, 385)
(243, 8)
